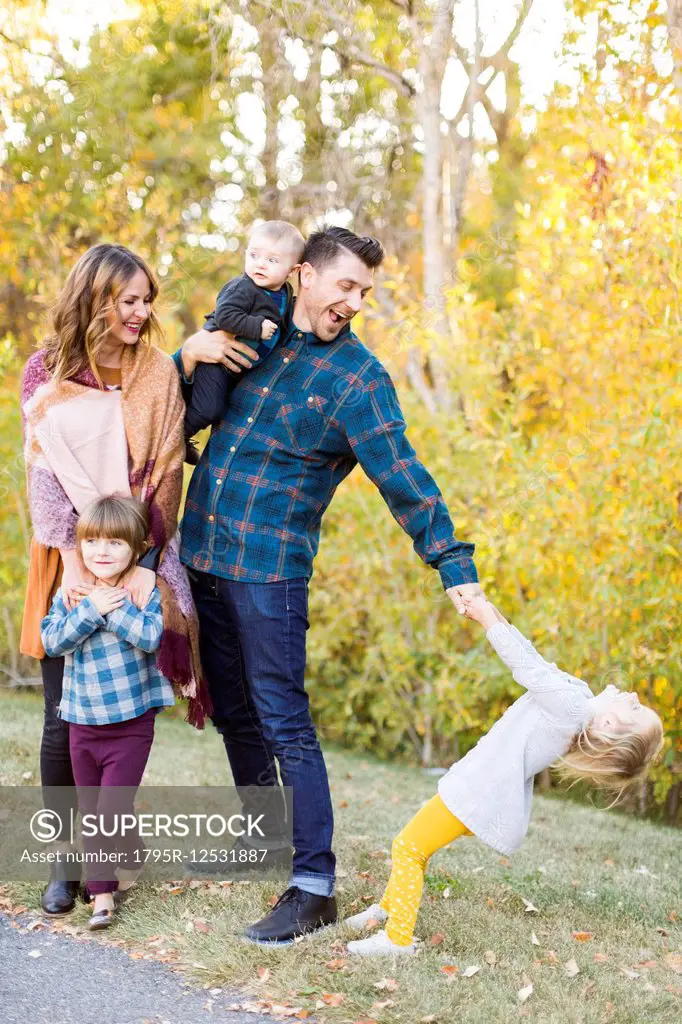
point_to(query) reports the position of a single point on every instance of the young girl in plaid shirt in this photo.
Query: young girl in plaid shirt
(112, 687)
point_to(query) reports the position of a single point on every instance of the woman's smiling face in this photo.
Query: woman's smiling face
(131, 310)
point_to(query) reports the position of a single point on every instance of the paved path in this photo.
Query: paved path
(85, 982)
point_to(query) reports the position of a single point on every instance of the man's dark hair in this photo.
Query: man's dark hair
(323, 247)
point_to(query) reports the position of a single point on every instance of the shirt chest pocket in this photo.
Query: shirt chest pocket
(304, 421)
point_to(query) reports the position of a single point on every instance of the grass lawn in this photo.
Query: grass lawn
(580, 871)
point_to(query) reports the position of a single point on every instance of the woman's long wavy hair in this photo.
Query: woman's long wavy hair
(79, 316)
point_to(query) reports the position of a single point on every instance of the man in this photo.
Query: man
(294, 427)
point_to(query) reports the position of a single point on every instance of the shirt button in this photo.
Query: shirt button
(286, 359)
(218, 481)
(265, 390)
(310, 398)
(250, 419)
(211, 519)
(233, 449)
(299, 335)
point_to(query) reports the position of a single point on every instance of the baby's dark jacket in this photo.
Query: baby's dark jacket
(242, 306)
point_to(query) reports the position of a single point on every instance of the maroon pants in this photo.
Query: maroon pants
(108, 764)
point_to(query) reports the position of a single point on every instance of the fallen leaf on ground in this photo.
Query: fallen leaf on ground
(662, 931)
(337, 964)
(343, 803)
(583, 936)
(469, 972)
(629, 973)
(530, 907)
(390, 984)
(202, 927)
(383, 1005)
(490, 957)
(600, 958)
(571, 968)
(428, 1020)
(436, 939)
(263, 973)
(524, 993)
(647, 963)
(534, 939)
(449, 969)
(674, 962)
(333, 998)
(643, 870)
(35, 953)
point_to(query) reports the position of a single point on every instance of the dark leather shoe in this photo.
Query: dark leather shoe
(295, 913)
(59, 897)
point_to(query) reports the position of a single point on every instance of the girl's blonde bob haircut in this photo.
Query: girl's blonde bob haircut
(611, 761)
(79, 316)
(118, 516)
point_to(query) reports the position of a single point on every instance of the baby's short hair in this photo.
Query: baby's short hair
(281, 231)
(117, 516)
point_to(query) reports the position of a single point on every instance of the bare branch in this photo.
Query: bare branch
(357, 56)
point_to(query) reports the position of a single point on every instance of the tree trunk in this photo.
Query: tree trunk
(675, 42)
(269, 199)
(432, 63)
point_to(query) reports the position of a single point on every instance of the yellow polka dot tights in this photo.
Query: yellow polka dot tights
(431, 828)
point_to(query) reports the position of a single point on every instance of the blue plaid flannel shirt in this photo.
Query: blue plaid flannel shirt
(292, 429)
(110, 672)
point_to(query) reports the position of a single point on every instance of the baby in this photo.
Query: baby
(254, 305)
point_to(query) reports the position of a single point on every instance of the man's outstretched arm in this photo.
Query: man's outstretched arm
(375, 427)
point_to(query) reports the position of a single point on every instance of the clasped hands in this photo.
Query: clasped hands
(469, 600)
(78, 583)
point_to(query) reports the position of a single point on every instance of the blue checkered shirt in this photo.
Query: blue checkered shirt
(292, 429)
(110, 672)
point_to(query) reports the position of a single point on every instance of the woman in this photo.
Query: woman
(103, 414)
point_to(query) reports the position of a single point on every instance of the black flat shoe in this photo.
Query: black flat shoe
(102, 919)
(295, 913)
(59, 898)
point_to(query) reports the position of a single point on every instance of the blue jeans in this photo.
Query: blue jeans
(252, 638)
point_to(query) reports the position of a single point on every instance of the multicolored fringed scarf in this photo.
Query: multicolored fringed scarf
(66, 465)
